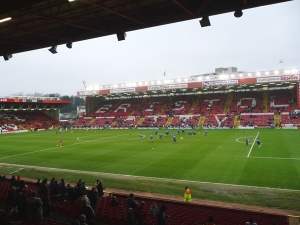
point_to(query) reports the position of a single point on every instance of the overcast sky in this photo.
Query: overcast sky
(256, 41)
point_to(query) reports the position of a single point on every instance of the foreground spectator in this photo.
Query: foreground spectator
(35, 207)
(161, 216)
(211, 220)
(153, 209)
(251, 222)
(93, 197)
(130, 217)
(141, 213)
(114, 201)
(82, 220)
(88, 212)
(12, 198)
(44, 194)
(5, 218)
(100, 189)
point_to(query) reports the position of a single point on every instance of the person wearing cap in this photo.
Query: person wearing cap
(187, 195)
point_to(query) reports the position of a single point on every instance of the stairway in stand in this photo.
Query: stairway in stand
(265, 102)
(228, 103)
(169, 121)
(201, 120)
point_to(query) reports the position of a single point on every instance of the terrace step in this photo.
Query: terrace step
(265, 101)
(195, 103)
(169, 121)
(228, 103)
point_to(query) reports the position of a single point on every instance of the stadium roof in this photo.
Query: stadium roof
(34, 24)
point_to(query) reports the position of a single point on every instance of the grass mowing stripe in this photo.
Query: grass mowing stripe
(261, 157)
(252, 145)
(142, 177)
(47, 149)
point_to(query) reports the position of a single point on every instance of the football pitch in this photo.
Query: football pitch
(220, 157)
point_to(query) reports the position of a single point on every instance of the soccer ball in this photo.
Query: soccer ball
(56, 145)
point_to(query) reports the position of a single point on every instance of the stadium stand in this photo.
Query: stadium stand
(179, 212)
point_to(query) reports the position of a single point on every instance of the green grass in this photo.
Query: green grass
(221, 158)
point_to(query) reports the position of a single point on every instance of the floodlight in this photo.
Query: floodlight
(204, 22)
(69, 45)
(238, 13)
(121, 36)
(53, 49)
(7, 57)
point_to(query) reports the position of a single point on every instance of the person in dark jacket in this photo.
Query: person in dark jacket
(44, 194)
(12, 198)
(100, 189)
(88, 211)
(161, 216)
(93, 197)
(35, 207)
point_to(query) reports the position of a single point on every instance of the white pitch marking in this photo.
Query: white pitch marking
(237, 140)
(262, 157)
(140, 177)
(252, 145)
(16, 171)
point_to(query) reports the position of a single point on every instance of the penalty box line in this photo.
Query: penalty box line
(252, 145)
(115, 175)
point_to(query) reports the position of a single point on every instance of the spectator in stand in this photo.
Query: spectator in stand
(100, 189)
(44, 192)
(141, 213)
(5, 217)
(12, 180)
(56, 191)
(35, 208)
(211, 221)
(153, 209)
(63, 188)
(96, 185)
(88, 212)
(37, 184)
(82, 220)
(130, 217)
(93, 197)
(161, 216)
(131, 203)
(251, 222)
(23, 203)
(12, 198)
(79, 191)
(52, 182)
(75, 222)
(114, 201)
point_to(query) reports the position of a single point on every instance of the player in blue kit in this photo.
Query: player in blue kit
(156, 132)
(151, 138)
(247, 141)
(167, 133)
(205, 132)
(160, 136)
(258, 141)
(141, 136)
(174, 138)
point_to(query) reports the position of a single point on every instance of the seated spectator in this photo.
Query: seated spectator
(35, 207)
(141, 213)
(5, 218)
(130, 217)
(211, 221)
(82, 220)
(114, 201)
(251, 222)
(75, 222)
(88, 212)
(93, 197)
(153, 209)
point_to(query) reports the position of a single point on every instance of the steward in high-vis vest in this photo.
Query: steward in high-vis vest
(187, 195)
